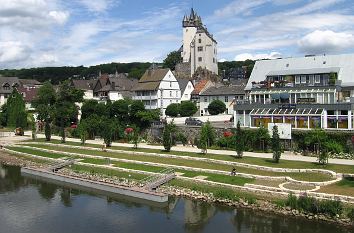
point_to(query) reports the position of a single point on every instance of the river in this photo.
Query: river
(32, 205)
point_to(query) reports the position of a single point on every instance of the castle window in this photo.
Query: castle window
(226, 98)
(170, 84)
(200, 59)
(200, 34)
(170, 93)
(213, 60)
(200, 48)
(200, 41)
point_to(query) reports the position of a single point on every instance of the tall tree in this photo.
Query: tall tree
(172, 59)
(276, 146)
(207, 137)
(65, 108)
(44, 105)
(167, 136)
(239, 141)
(16, 110)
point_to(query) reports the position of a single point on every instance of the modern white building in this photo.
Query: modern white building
(199, 47)
(186, 87)
(306, 92)
(157, 88)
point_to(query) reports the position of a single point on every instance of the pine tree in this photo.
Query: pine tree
(276, 147)
(167, 136)
(16, 111)
(239, 141)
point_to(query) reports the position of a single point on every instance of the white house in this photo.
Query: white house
(157, 88)
(199, 47)
(186, 87)
(227, 94)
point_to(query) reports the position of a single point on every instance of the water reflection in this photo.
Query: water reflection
(197, 214)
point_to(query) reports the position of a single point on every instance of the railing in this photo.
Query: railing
(152, 182)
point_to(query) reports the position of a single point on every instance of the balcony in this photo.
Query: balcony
(152, 97)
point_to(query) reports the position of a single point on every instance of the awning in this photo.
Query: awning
(284, 96)
(275, 96)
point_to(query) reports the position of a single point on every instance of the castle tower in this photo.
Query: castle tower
(199, 46)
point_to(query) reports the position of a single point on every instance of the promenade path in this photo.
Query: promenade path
(285, 156)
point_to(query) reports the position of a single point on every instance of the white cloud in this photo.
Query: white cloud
(327, 41)
(13, 51)
(97, 6)
(59, 16)
(239, 7)
(248, 56)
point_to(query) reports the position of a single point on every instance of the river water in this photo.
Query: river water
(31, 205)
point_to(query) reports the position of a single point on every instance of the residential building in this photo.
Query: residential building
(306, 92)
(227, 94)
(186, 87)
(84, 85)
(7, 85)
(157, 88)
(199, 46)
(199, 87)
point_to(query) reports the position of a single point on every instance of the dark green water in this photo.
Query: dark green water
(30, 205)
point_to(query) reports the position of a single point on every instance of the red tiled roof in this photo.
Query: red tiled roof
(199, 86)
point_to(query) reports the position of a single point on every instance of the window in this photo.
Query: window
(303, 79)
(200, 48)
(170, 93)
(317, 79)
(200, 34)
(176, 93)
(189, 87)
(213, 60)
(200, 59)
(205, 99)
(170, 84)
(287, 65)
(226, 99)
(6, 86)
(297, 79)
(200, 41)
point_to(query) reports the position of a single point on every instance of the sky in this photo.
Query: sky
(37, 33)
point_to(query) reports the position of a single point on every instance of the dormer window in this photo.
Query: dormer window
(6, 86)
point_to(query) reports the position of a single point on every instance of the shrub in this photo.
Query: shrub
(216, 107)
(187, 108)
(292, 201)
(182, 138)
(172, 110)
(276, 147)
(308, 204)
(323, 157)
(330, 207)
(333, 147)
(226, 194)
(351, 214)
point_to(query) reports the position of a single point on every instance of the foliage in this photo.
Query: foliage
(323, 157)
(315, 137)
(172, 59)
(181, 138)
(333, 147)
(216, 107)
(167, 136)
(173, 110)
(239, 140)
(57, 75)
(187, 108)
(135, 137)
(311, 205)
(83, 131)
(332, 78)
(276, 146)
(207, 137)
(229, 67)
(16, 115)
(351, 214)
(107, 130)
(263, 137)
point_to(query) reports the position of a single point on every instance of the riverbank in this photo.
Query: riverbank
(193, 191)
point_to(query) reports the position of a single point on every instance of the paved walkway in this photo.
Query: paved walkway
(285, 156)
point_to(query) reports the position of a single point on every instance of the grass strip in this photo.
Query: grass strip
(309, 176)
(245, 159)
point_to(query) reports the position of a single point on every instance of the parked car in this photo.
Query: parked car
(193, 121)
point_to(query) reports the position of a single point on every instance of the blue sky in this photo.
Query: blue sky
(87, 32)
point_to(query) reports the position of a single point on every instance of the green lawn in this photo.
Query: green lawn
(185, 162)
(343, 187)
(245, 159)
(37, 152)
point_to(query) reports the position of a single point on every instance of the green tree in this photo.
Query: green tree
(44, 105)
(262, 137)
(83, 131)
(120, 110)
(172, 59)
(136, 137)
(167, 136)
(16, 110)
(276, 146)
(88, 108)
(216, 107)
(240, 147)
(207, 137)
(187, 108)
(107, 130)
(323, 157)
(172, 110)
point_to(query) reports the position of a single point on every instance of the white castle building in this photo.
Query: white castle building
(199, 46)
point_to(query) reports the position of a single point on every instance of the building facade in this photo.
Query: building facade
(199, 47)
(308, 92)
(157, 89)
(186, 87)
